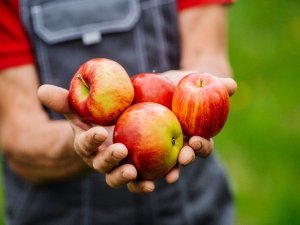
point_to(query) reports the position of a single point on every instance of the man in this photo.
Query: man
(46, 182)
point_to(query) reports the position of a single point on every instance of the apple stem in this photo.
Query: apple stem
(82, 81)
(199, 82)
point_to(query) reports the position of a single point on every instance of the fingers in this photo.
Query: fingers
(196, 146)
(87, 142)
(107, 159)
(145, 186)
(230, 84)
(172, 176)
(91, 146)
(201, 146)
(54, 98)
(121, 175)
(186, 155)
(117, 176)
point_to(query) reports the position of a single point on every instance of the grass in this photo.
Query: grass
(261, 141)
(260, 144)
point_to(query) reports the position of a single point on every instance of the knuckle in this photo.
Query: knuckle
(88, 161)
(136, 187)
(82, 147)
(76, 146)
(99, 166)
(131, 187)
(203, 153)
(108, 181)
(111, 161)
(103, 165)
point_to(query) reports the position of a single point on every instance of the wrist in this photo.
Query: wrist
(216, 64)
(66, 134)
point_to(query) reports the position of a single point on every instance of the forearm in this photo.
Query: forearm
(37, 148)
(36, 137)
(204, 39)
(24, 124)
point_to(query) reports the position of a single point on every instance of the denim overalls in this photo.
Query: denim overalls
(141, 35)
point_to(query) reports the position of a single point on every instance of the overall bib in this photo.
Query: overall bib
(142, 35)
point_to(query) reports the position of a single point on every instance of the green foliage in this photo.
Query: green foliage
(261, 141)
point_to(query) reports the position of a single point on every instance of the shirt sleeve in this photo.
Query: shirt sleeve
(183, 4)
(15, 48)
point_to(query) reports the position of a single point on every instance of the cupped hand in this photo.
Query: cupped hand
(94, 143)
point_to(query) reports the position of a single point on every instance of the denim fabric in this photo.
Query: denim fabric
(142, 35)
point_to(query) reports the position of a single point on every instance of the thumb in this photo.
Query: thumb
(230, 84)
(55, 98)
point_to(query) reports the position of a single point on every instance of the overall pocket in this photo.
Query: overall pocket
(58, 21)
(68, 33)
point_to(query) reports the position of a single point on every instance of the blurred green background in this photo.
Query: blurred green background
(260, 144)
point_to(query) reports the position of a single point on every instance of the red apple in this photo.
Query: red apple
(100, 91)
(201, 103)
(153, 136)
(152, 87)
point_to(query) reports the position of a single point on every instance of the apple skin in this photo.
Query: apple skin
(100, 91)
(201, 104)
(153, 136)
(153, 87)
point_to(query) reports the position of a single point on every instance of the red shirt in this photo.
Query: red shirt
(15, 47)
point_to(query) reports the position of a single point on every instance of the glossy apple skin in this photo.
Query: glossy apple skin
(153, 136)
(201, 103)
(153, 87)
(102, 93)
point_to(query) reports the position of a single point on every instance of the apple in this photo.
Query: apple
(153, 136)
(100, 91)
(153, 87)
(201, 103)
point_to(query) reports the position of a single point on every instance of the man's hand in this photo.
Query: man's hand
(94, 144)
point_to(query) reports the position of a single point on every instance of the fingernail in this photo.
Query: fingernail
(98, 138)
(188, 161)
(117, 155)
(127, 176)
(148, 188)
(197, 145)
